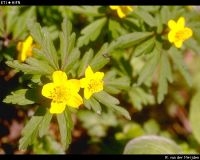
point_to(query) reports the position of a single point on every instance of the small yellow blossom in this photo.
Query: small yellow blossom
(62, 92)
(25, 49)
(122, 11)
(92, 83)
(178, 32)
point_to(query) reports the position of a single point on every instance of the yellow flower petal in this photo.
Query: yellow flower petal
(87, 94)
(188, 32)
(172, 24)
(25, 48)
(114, 7)
(83, 82)
(129, 8)
(178, 44)
(99, 75)
(74, 85)
(19, 46)
(47, 90)
(57, 107)
(171, 36)
(75, 101)
(120, 13)
(88, 72)
(59, 77)
(181, 23)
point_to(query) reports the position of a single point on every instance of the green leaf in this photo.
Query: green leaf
(87, 104)
(91, 32)
(44, 125)
(100, 59)
(33, 66)
(111, 102)
(94, 104)
(121, 110)
(130, 130)
(72, 59)
(152, 145)
(11, 18)
(193, 44)
(119, 83)
(42, 37)
(165, 14)
(106, 98)
(2, 26)
(112, 89)
(164, 76)
(67, 41)
(151, 127)
(85, 62)
(150, 66)
(139, 97)
(30, 131)
(21, 23)
(47, 145)
(159, 23)
(129, 40)
(49, 49)
(35, 31)
(114, 27)
(145, 47)
(86, 10)
(146, 17)
(18, 97)
(178, 61)
(194, 116)
(65, 126)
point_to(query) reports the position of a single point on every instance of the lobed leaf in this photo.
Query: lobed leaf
(178, 61)
(111, 102)
(65, 126)
(91, 32)
(67, 41)
(130, 39)
(30, 131)
(146, 17)
(101, 58)
(18, 97)
(94, 104)
(85, 62)
(145, 47)
(164, 76)
(150, 66)
(33, 66)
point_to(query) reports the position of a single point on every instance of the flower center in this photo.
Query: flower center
(182, 35)
(95, 85)
(60, 94)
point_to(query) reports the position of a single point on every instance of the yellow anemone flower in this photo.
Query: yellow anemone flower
(25, 48)
(178, 32)
(62, 92)
(92, 82)
(122, 11)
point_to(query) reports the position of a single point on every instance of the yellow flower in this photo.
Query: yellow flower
(62, 92)
(122, 11)
(25, 49)
(92, 82)
(178, 32)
